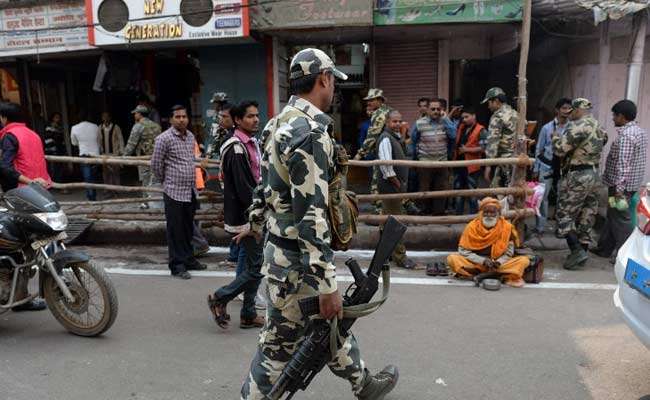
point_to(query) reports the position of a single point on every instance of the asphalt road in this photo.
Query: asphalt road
(450, 342)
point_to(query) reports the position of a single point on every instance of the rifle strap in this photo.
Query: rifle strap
(358, 311)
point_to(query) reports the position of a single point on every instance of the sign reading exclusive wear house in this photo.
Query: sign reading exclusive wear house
(405, 12)
(43, 29)
(267, 15)
(118, 22)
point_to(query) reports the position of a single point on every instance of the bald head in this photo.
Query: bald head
(394, 121)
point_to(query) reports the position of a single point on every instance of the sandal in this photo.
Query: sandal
(432, 270)
(218, 309)
(442, 269)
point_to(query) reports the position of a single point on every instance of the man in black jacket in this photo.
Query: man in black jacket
(240, 166)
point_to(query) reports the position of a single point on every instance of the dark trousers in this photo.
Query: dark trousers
(433, 180)
(89, 174)
(465, 180)
(180, 228)
(249, 280)
(618, 226)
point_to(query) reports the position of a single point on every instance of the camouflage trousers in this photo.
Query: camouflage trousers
(577, 204)
(285, 327)
(502, 176)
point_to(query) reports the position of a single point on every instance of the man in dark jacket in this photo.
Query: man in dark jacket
(241, 171)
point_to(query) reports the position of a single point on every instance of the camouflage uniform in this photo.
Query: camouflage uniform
(581, 146)
(291, 202)
(140, 142)
(501, 141)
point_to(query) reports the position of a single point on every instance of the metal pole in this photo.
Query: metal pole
(635, 67)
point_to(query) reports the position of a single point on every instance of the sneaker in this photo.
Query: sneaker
(182, 275)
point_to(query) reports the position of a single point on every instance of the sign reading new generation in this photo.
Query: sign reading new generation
(160, 21)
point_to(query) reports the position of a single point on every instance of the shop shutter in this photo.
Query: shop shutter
(406, 72)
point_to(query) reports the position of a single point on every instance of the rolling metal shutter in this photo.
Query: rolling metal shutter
(407, 72)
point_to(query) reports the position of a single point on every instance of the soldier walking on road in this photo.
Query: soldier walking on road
(501, 135)
(291, 202)
(581, 147)
(140, 142)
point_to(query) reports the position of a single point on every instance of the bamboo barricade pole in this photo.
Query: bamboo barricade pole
(199, 162)
(120, 188)
(209, 211)
(152, 218)
(445, 164)
(515, 191)
(442, 220)
(208, 199)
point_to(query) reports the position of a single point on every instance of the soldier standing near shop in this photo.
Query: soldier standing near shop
(581, 147)
(501, 135)
(291, 202)
(140, 143)
(217, 134)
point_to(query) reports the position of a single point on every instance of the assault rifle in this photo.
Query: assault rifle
(314, 352)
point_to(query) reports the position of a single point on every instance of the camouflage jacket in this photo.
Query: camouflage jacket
(582, 142)
(377, 123)
(218, 136)
(141, 139)
(292, 199)
(502, 132)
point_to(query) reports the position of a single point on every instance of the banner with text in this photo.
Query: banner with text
(146, 21)
(267, 15)
(406, 12)
(43, 29)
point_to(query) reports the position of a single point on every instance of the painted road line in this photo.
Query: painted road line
(394, 280)
(359, 254)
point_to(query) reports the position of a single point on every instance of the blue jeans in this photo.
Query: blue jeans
(89, 174)
(251, 257)
(234, 252)
(465, 180)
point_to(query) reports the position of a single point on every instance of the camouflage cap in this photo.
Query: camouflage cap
(218, 97)
(141, 110)
(375, 94)
(313, 61)
(492, 93)
(581, 103)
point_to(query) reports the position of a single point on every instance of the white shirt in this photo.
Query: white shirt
(86, 135)
(385, 153)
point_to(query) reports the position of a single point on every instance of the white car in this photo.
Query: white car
(632, 297)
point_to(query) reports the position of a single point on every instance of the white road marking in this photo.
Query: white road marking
(395, 280)
(359, 254)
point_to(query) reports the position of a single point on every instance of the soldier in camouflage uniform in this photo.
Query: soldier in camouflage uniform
(140, 143)
(501, 135)
(580, 147)
(220, 128)
(291, 202)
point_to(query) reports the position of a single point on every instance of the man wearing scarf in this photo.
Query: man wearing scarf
(488, 244)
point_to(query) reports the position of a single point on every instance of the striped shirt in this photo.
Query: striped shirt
(626, 160)
(173, 163)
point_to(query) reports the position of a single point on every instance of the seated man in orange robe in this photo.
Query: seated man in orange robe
(488, 244)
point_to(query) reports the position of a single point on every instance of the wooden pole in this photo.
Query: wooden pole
(208, 199)
(446, 193)
(445, 164)
(199, 163)
(211, 211)
(115, 188)
(154, 218)
(442, 220)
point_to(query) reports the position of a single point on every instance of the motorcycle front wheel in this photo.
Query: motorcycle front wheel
(95, 307)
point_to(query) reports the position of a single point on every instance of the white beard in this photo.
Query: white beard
(490, 222)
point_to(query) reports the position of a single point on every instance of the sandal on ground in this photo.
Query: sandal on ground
(432, 270)
(218, 309)
(442, 269)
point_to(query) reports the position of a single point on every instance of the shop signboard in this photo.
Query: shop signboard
(49, 28)
(281, 14)
(406, 12)
(118, 22)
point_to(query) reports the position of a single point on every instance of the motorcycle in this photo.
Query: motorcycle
(79, 294)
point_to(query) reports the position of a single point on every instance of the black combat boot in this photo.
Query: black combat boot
(376, 387)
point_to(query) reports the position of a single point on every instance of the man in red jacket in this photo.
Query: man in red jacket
(22, 163)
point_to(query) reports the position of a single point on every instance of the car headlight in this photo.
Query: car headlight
(55, 220)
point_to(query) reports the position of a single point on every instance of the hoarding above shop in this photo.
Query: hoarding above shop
(43, 29)
(116, 22)
(407, 12)
(269, 15)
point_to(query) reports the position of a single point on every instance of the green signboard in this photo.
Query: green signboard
(406, 12)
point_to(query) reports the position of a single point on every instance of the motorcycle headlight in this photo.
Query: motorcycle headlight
(55, 220)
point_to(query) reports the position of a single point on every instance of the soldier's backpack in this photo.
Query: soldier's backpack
(342, 207)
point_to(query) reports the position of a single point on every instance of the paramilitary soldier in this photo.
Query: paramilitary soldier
(218, 133)
(291, 202)
(501, 134)
(581, 146)
(140, 143)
